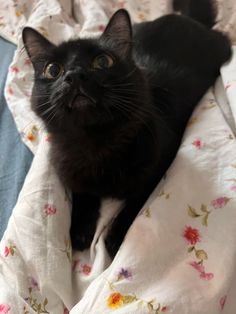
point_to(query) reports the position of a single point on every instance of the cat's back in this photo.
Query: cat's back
(180, 40)
(181, 59)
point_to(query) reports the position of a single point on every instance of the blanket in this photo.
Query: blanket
(179, 254)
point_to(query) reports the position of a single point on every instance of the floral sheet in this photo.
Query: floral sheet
(179, 255)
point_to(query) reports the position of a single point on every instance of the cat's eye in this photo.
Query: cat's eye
(103, 61)
(53, 70)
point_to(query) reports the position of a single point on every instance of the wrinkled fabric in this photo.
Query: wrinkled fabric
(179, 254)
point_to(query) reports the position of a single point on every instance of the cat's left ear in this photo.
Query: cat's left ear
(35, 44)
(118, 33)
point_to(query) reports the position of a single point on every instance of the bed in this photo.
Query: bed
(179, 255)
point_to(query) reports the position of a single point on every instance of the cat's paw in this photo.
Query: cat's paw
(113, 242)
(81, 241)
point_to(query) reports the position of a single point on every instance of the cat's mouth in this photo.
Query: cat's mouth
(81, 99)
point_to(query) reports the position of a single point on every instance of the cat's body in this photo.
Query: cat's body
(118, 127)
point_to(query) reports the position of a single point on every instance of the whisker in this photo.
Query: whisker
(43, 104)
(132, 110)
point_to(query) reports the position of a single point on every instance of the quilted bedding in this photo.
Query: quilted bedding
(179, 255)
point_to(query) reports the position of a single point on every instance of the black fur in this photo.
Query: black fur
(203, 11)
(116, 130)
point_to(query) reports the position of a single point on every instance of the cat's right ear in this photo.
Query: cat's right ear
(118, 33)
(35, 44)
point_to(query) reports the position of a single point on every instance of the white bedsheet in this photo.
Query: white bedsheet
(179, 255)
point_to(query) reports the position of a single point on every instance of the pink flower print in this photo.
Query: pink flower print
(220, 202)
(10, 90)
(191, 235)
(66, 311)
(197, 266)
(15, 69)
(4, 308)
(101, 28)
(50, 210)
(233, 188)
(223, 301)
(201, 269)
(197, 143)
(10, 249)
(86, 269)
(164, 309)
(6, 251)
(206, 276)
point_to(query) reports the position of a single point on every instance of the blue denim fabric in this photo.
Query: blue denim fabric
(15, 157)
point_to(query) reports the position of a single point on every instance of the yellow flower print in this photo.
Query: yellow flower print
(32, 134)
(115, 300)
(18, 13)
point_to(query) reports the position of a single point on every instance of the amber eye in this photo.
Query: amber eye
(103, 61)
(53, 70)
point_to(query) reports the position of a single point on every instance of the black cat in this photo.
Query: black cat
(117, 106)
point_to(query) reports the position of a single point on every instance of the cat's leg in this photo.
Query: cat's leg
(85, 214)
(122, 223)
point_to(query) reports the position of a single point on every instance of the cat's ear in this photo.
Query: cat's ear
(35, 44)
(118, 33)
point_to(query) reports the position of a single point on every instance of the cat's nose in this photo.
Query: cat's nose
(75, 76)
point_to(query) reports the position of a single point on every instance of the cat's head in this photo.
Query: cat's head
(87, 82)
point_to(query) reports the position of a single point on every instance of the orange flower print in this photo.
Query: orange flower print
(191, 235)
(32, 134)
(83, 268)
(86, 269)
(18, 13)
(115, 300)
